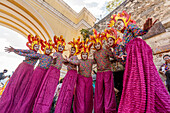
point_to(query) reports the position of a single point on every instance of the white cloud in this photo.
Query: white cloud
(97, 8)
(8, 38)
(3, 44)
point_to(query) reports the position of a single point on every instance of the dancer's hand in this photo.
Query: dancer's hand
(67, 59)
(148, 24)
(116, 90)
(122, 57)
(54, 61)
(9, 49)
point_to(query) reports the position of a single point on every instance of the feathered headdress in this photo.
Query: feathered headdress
(45, 45)
(113, 34)
(86, 46)
(96, 38)
(32, 41)
(58, 41)
(76, 44)
(124, 16)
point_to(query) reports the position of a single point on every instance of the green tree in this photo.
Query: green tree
(111, 5)
(85, 33)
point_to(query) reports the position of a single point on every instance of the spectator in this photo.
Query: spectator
(59, 86)
(1, 85)
(165, 70)
(2, 74)
(56, 96)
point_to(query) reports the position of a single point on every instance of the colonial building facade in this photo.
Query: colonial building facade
(44, 18)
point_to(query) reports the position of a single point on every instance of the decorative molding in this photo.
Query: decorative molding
(166, 23)
(51, 31)
(67, 6)
(22, 14)
(161, 49)
(5, 24)
(74, 12)
(61, 16)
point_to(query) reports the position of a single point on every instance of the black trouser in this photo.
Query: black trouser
(118, 84)
(168, 79)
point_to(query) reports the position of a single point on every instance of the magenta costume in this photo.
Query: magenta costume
(104, 100)
(17, 82)
(64, 102)
(27, 99)
(83, 100)
(46, 93)
(143, 89)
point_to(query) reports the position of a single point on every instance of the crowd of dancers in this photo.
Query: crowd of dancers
(32, 90)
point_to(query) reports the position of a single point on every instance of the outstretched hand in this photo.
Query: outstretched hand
(9, 49)
(148, 24)
(66, 59)
(122, 57)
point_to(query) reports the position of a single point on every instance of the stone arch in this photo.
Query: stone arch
(21, 17)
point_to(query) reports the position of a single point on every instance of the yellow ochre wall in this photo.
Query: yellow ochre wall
(44, 18)
(58, 25)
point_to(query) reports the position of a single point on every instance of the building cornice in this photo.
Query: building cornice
(63, 17)
(74, 12)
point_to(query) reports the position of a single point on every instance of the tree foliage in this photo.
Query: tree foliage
(111, 5)
(85, 33)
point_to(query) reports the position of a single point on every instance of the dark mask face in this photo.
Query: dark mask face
(110, 41)
(97, 46)
(36, 47)
(73, 50)
(60, 48)
(119, 25)
(84, 56)
(48, 51)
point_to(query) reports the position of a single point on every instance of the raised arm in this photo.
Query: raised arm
(74, 61)
(35, 55)
(11, 49)
(22, 50)
(136, 30)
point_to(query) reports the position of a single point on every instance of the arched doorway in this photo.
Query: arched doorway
(21, 17)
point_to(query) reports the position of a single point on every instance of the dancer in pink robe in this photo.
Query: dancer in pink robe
(20, 77)
(83, 99)
(29, 95)
(64, 102)
(104, 100)
(143, 89)
(46, 93)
